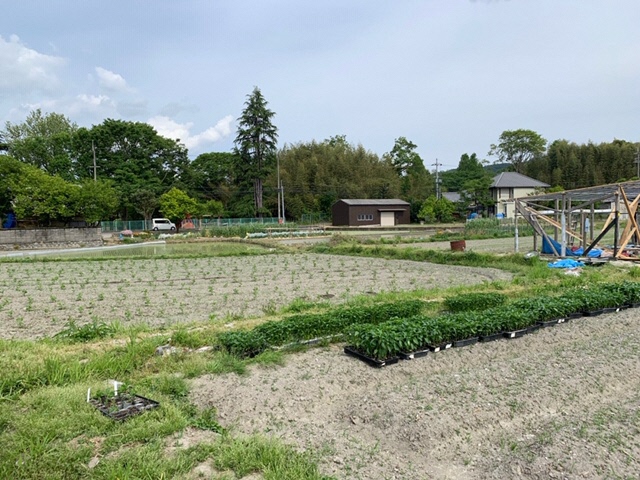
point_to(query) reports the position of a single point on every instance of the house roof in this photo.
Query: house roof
(452, 196)
(374, 202)
(516, 180)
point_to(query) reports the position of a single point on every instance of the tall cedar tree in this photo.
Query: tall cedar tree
(256, 145)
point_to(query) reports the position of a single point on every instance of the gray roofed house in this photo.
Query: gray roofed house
(509, 185)
(516, 180)
(452, 196)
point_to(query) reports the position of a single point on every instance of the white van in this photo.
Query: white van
(162, 224)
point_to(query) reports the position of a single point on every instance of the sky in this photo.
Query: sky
(449, 75)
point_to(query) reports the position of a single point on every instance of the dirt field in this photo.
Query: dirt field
(39, 299)
(561, 403)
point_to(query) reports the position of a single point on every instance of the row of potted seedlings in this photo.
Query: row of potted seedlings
(308, 326)
(408, 338)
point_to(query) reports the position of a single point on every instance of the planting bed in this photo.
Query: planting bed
(39, 299)
(557, 403)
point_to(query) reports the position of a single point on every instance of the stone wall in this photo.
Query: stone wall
(43, 238)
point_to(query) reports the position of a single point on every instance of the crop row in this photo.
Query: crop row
(306, 326)
(404, 335)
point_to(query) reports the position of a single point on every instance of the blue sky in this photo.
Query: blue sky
(450, 75)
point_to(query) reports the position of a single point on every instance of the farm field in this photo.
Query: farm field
(38, 299)
(559, 403)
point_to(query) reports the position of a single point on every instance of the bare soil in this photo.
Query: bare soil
(563, 402)
(39, 299)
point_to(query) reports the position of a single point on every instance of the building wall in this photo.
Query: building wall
(504, 199)
(366, 215)
(39, 238)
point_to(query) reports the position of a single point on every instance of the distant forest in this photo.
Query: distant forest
(53, 170)
(570, 165)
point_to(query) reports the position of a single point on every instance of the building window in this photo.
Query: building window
(363, 217)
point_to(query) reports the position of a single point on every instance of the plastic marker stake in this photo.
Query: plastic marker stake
(88, 395)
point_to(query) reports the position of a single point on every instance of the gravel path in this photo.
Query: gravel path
(563, 402)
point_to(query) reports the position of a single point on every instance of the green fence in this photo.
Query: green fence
(198, 223)
(314, 218)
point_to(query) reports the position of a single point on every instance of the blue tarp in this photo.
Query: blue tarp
(10, 221)
(594, 253)
(566, 263)
(546, 249)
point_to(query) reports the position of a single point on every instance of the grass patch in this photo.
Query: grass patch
(513, 263)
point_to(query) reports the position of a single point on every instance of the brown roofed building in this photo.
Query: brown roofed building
(358, 212)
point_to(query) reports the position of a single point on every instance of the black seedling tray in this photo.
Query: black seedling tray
(123, 406)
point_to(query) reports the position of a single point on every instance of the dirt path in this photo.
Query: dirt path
(563, 402)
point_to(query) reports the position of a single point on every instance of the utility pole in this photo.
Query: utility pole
(637, 162)
(279, 203)
(95, 167)
(282, 198)
(438, 194)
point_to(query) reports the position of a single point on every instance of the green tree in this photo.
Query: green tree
(95, 201)
(212, 177)
(469, 168)
(317, 174)
(43, 197)
(10, 171)
(255, 145)
(145, 203)
(476, 192)
(44, 141)
(403, 156)
(416, 183)
(213, 208)
(436, 210)
(176, 205)
(134, 156)
(34, 194)
(517, 147)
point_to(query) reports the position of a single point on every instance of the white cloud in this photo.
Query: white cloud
(94, 101)
(181, 131)
(83, 108)
(110, 80)
(22, 69)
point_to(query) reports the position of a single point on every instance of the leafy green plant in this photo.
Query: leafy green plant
(85, 333)
(474, 301)
(243, 343)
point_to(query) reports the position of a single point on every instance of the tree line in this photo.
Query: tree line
(54, 171)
